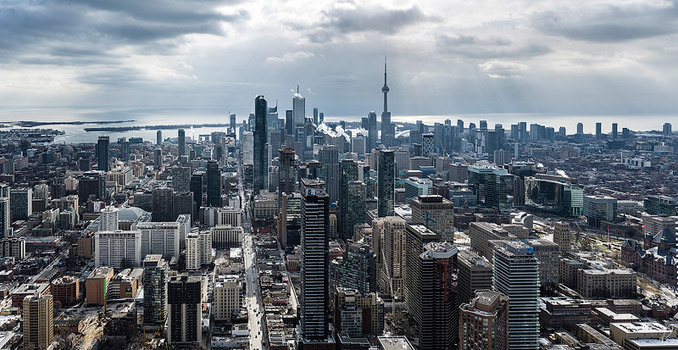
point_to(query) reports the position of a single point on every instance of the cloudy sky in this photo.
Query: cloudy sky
(446, 57)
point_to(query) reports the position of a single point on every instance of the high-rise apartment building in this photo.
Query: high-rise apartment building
(314, 261)
(155, 289)
(117, 249)
(483, 322)
(260, 145)
(108, 219)
(161, 238)
(184, 310)
(38, 325)
(386, 183)
(516, 274)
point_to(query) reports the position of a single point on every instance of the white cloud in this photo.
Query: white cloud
(502, 69)
(291, 57)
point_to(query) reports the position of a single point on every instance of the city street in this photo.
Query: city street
(253, 299)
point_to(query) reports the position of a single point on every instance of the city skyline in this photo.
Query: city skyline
(478, 58)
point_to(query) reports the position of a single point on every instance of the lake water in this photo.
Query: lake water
(174, 116)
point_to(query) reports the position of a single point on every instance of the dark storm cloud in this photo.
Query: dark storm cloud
(473, 47)
(339, 21)
(611, 24)
(55, 28)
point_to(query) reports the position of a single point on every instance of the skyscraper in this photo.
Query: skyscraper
(21, 200)
(388, 240)
(108, 219)
(667, 129)
(516, 274)
(372, 134)
(386, 183)
(599, 131)
(355, 204)
(287, 172)
(580, 129)
(329, 157)
(436, 213)
(483, 322)
(38, 325)
(427, 145)
(314, 261)
(358, 269)
(197, 184)
(260, 145)
(298, 108)
(213, 184)
(162, 208)
(158, 137)
(614, 131)
(184, 300)
(102, 153)
(232, 123)
(182, 142)
(475, 273)
(387, 131)
(155, 289)
(5, 220)
(157, 159)
(438, 316)
(181, 179)
(349, 173)
(315, 115)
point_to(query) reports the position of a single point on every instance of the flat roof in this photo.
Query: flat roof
(395, 343)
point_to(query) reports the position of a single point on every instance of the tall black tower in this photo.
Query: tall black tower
(102, 153)
(213, 184)
(260, 144)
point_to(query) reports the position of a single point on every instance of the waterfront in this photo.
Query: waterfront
(210, 115)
